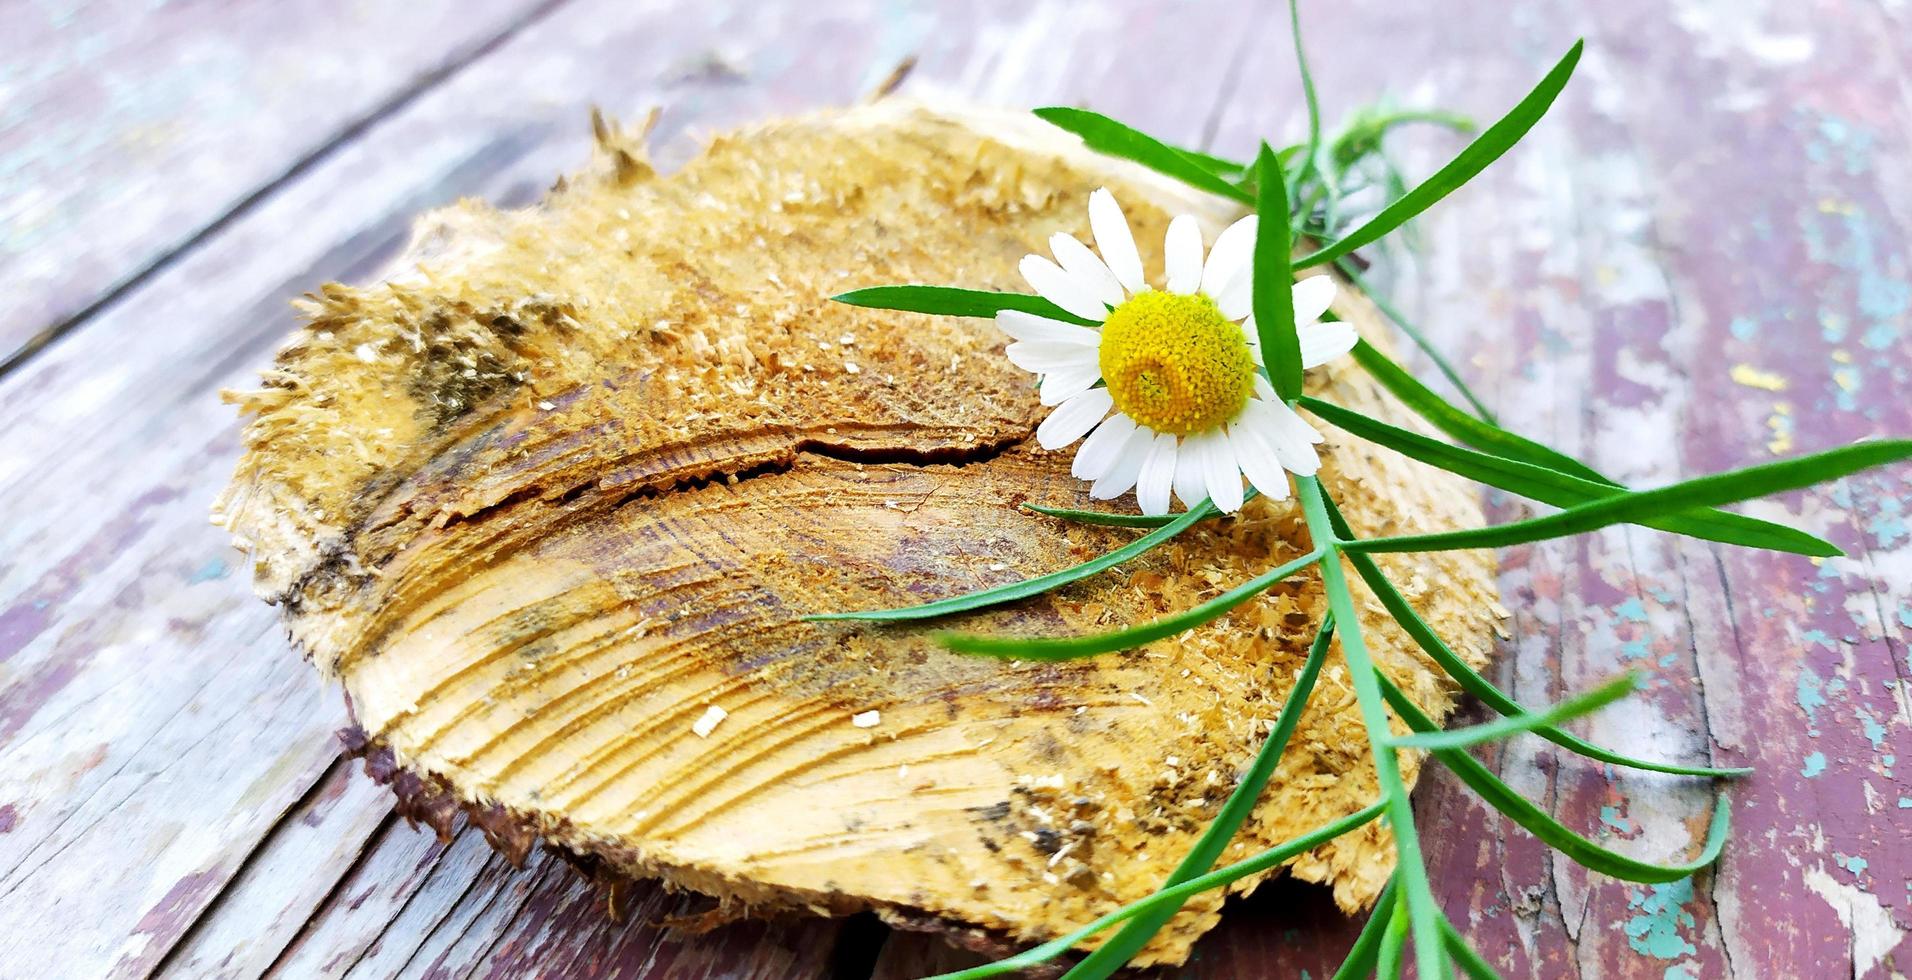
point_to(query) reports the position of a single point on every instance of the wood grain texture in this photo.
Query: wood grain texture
(1723, 187)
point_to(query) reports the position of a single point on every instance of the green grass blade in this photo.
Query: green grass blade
(1310, 161)
(1473, 964)
(1461, 425)
(1033, 586)
(1387, 961)
(1108, 519)
(1105, 135)
(1365, 953)
(1639, 506)
(1420, 340)
(1562, 489)
(1484, 150)
(1274, 290)
(1517, 808)
(1072, 647)
(1473, 683)
(1103, 518)
(1177, 895)
(1568, 710)
(952, 301)
(1123, 946)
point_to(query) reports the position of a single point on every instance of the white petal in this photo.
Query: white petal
(1042, 357)
(1235, 299)
(1117, 243)
(1028, 326)
(1312, 297)
(1296, 426)
(1078, 261)
(1074, 419)
(1097, 454)
(1127, 466)
(1263, 388)
(1256, 457)
(1152, 485)
(1323, 342)
(1182, 248)
(1060, 386)
(1231, 260)
(1058, 287)
(1191, 485)
(1220, 472)
(1291, 448)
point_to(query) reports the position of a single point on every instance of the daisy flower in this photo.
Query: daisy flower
(1168, 387)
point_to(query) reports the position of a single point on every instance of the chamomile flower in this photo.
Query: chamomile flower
(1168, 387)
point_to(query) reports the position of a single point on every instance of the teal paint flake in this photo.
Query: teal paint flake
(1819, 638)
(1874, 732)
(1655, 930)
(214, 569)
(1665, 596)
(1814, 765)
(1678, 971)
(1610, 815)
(1634, 649)
(1856, 865)
(1905, 802)
(1811, 696)
(1905, 616)
(1632, 610)
(1744, 327)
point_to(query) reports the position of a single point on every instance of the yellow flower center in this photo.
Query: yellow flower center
(1174, 364)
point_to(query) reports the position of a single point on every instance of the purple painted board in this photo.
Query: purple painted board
(1701, 261)
(129, 128)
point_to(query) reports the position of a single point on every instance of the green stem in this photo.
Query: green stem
(1180, 893)
(1125, 944)
(1411, 871)
(1420, 340)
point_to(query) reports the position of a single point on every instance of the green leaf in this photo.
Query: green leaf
(1346, 268)
(1072, 647)
(1584, 852)
(1122, 946)
(1365, 953)
(1029, 587)
(1105, 135)
(1274, 295)
(1484, 150)
(951, 301)
(1473, 683)
(1563, 490)
(1640, 506)
(1177, 895)
(1459, 424)
(1472, 963)
(1574, 707)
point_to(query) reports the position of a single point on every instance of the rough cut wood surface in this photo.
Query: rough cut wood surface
(567, 479)
(1700, 258)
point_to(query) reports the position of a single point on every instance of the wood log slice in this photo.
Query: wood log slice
(568, 480)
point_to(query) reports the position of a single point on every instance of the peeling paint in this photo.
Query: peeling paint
(1655, 930)
(1814, 765)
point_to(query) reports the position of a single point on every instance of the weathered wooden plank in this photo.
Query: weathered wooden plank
(1710, 197)
(131, 128)
(80, 616)
(1698, 263)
